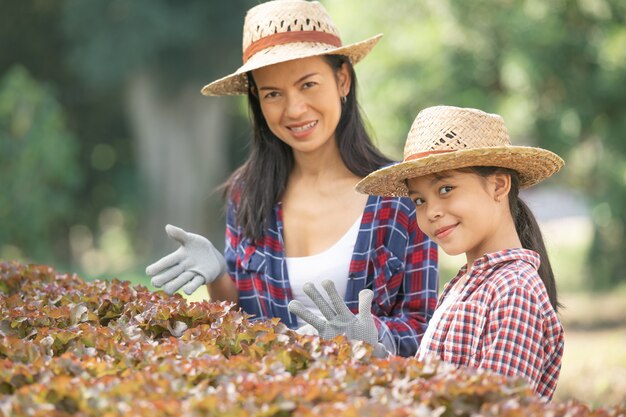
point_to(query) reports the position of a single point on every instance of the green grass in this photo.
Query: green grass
(594, 367)
(594, 361)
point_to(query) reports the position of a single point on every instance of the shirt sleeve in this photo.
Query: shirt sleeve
(232, 238)
(402, 328)
(512, 343)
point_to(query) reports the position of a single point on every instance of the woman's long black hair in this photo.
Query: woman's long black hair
(527, 229)
(262, 179)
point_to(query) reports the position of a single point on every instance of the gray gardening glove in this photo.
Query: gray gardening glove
(195, 263)
(339, 318)
(308, 330)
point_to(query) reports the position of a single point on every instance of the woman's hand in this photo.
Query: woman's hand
(195, 263)
(338, 317)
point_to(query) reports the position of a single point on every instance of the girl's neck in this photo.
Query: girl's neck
(505, 238)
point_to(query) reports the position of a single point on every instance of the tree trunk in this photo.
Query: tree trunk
(182, 156)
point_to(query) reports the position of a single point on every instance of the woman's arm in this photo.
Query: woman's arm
(224, 289)
(409, 296)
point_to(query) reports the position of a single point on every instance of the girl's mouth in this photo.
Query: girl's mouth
(445, 231)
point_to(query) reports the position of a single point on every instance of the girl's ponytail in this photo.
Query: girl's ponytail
(527, 230)
(531, 238)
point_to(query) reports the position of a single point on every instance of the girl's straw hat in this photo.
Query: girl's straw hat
(283, 30)
(443, 138)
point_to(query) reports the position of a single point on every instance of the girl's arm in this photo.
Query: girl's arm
(519, 340)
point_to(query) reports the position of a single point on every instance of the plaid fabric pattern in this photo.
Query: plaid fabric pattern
(392, 256)
(503, 321)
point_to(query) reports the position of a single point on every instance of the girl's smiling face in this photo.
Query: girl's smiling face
(464, 212)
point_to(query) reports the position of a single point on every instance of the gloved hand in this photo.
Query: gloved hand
(308, 330)
(339, 318)
(195, 263)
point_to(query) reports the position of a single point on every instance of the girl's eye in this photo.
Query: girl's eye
(418, 201)
(445, 189)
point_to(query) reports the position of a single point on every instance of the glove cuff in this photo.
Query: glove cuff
(380, 351)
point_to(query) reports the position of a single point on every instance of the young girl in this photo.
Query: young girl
(292, 213)
(500, 311)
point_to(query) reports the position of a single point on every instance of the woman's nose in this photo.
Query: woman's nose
(296, 106)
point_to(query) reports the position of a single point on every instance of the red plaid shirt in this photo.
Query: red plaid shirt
(503, 321)
(392, 256)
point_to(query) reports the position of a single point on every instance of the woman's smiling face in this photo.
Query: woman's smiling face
(301, 101)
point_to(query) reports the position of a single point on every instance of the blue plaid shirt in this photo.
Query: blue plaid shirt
(392, 256)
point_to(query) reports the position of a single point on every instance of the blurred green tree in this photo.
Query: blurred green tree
(129, 74)
(39, 172)
(556, 71)
(159, 53)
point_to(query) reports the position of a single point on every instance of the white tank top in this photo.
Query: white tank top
(451, 298)
(332, 264)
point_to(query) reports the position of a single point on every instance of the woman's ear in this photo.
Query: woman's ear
(344, 80)
(501, 186)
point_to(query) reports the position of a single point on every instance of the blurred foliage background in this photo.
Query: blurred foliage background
(105, 137)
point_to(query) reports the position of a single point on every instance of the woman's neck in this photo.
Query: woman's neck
(322, 166)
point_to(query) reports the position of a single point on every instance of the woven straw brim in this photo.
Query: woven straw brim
(532, 164)
(236, 83)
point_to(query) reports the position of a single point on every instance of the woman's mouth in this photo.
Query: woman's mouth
(302, 129)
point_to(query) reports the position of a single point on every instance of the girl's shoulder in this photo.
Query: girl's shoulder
(514, 268)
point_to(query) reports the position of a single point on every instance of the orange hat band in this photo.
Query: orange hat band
(290, 37)
(423, 154)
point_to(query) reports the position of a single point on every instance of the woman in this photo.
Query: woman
(292, 214)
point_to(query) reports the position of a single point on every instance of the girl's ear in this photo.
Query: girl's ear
(502, 186)
(344, 80)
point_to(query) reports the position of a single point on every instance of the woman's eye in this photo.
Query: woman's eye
(271, 94)
(445, 189)
(308, 84)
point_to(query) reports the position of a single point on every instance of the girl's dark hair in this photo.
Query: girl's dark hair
(527, 229)
(261, 180)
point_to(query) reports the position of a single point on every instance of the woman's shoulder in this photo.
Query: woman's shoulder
(234, 188)
(403, 204)
(394, 214)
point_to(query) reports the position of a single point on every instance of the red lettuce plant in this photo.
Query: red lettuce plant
(105, 348)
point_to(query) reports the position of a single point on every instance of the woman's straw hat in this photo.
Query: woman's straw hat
(444, 137)
(283, 30)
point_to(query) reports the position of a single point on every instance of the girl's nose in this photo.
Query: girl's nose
(433, 211)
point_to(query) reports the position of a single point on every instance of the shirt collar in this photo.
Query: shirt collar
(490, 260)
